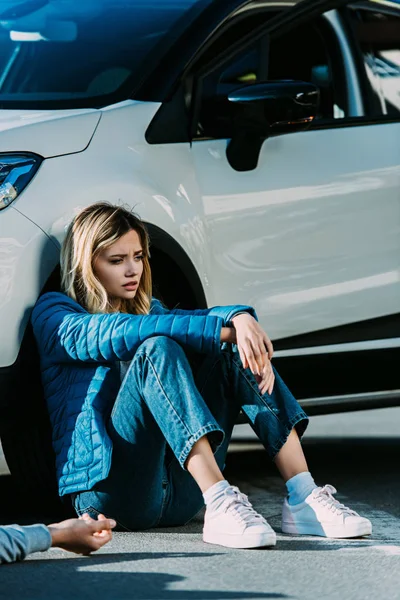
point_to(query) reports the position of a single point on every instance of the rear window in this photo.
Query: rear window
(82, 53)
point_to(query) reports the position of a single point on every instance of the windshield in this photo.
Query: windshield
(71, 53)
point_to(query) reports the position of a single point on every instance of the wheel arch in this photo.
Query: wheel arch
(165, 249)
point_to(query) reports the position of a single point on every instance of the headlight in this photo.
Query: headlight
(16, 171)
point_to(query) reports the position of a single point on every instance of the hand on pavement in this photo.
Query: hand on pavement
(83, 535)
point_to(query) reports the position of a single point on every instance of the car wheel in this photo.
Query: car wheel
(26, 435)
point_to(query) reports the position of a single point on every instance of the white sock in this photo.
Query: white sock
(299, 487)
(214, 496)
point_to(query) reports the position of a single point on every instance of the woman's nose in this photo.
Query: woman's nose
(132, 269)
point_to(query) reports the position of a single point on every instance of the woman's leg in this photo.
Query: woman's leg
(202, 465)
(290, 459)
(310, 509)
(158, 413)
(278, 421)
(227, 388)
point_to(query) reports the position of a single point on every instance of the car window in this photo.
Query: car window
(378, 36)
(310, 53)
(307, 53)
(243, 68)
(65, 53)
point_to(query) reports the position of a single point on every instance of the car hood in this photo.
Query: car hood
(47, 132)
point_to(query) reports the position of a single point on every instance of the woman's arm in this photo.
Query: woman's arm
(226, 313)
(66, 332)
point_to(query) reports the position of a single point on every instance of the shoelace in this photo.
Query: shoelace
(239, 506)
(325, 496)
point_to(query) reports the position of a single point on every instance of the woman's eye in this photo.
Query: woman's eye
(139, 257)
(116, 262)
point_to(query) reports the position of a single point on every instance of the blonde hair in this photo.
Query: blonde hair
(94, 229)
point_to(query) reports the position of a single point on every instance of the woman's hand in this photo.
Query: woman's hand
(255, 350)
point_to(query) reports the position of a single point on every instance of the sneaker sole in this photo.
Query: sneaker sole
(330, 531)
(258, 540)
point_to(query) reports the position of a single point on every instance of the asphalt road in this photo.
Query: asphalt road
(359, 453)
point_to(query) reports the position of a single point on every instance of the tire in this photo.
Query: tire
(26, 434)
(170, 284)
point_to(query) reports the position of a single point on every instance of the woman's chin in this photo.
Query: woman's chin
(129, 294)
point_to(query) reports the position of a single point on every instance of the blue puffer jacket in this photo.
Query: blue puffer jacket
(79, 353)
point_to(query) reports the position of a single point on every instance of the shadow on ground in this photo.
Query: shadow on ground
(65, 579)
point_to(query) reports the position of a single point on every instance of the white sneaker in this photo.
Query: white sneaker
(322, 514)
(236, 524)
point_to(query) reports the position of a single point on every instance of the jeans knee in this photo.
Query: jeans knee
(160, 344)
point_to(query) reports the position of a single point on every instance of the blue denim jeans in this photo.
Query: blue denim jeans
(166, 403)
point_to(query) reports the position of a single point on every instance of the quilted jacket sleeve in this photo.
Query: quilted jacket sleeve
(226, 313)
(66, 332)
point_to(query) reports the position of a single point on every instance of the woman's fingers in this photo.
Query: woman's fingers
(249, 358)
(261, 357)
(267, 379)
(254, 359)
(269, 346)
(269, 383)
(256, 356)
(271, 387)
(243, 358)
(253, 364)
(265, 385)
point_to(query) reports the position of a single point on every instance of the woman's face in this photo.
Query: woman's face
(120, 267)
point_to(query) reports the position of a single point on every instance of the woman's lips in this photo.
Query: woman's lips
(130, 286)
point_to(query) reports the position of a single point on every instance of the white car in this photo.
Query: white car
(260, 141)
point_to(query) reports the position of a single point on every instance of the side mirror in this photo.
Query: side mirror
(266, 109)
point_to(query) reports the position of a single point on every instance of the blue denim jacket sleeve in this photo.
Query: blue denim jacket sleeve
(17, 542)
(67, 332)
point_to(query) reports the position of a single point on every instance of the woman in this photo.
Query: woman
(143, 400)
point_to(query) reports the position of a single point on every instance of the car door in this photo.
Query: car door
(309, 237)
